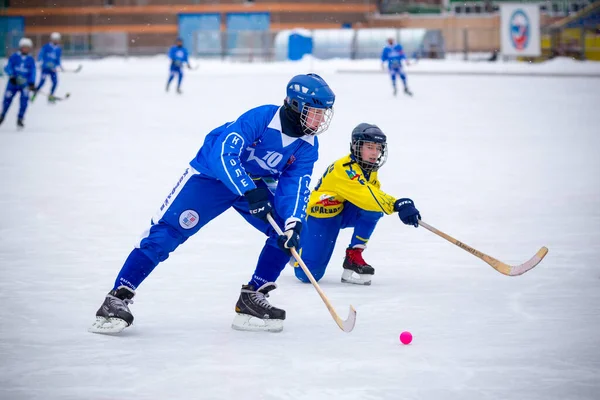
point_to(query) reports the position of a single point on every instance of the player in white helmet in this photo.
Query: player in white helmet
(49, 57)
(21, 79)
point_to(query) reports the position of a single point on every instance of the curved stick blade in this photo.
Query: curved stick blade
(349, 323)
(529, 264)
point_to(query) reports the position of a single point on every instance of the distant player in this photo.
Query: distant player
(349, 196)
(179, 56)
(49, 58)
(259, 164)
(21, 79)
(394, 55)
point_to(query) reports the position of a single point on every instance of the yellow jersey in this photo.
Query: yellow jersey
(344, 181)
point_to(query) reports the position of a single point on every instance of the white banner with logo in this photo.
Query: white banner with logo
(520, 29)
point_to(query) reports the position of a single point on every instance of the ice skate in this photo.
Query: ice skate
(114, 315)
(1, 119)
(356, 270)
(51, 99)
(395, 90)
(179, 91)
(20, 123)
(407, 91)
(254, 313)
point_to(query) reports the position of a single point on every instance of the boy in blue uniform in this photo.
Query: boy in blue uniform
(259, 164)
(21, 79)
(49, 58)
(349, 195)
(179, 56)
(393, 54)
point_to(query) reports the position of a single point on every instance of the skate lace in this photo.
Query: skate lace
(261, 299)
(119, 303)
(355, 256)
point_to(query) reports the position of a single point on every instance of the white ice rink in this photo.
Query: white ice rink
(505, 164)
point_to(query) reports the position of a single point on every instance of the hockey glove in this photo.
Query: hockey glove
(258, 202)
(407, 212)
(31, 87)
(13, 80)
(290, 237)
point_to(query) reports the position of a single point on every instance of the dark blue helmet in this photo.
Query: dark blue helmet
(368, 133)
(311, 97)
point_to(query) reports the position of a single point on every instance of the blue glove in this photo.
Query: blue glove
(407, 212)
(258, 202)
(290, 237)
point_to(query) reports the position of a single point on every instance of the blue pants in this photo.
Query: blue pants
(194, 201)
(175, 70)
(319, 239)
(53, 77)
(9, 94)
(397, 71)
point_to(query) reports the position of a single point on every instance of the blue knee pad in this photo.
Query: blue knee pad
(316, 273)
(161, 240)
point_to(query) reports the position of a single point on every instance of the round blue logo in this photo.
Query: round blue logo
(519, 29)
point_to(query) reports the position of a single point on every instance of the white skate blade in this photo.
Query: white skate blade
(352, 277)
(108, 325)
(245, 322)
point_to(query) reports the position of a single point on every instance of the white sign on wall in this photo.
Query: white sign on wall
(520, 29)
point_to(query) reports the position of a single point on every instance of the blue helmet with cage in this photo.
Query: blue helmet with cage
(368, 133)
(311, 97)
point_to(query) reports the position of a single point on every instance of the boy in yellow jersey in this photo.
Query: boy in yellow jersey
(348, 195)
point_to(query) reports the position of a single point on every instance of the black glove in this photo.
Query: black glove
(31, 87)
(407, 212)
(258, 202)
(13, 80)
(291, 237)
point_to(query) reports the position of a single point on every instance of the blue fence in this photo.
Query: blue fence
(11, 30)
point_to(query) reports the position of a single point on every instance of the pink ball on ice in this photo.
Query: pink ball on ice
(406, 337)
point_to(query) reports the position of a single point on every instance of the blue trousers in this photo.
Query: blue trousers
(175, 71)
(318, 241)
(9, 94)
(53, 78)
(195, 201)
(397, 71)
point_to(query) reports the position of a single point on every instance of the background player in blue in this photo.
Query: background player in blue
(394, 55)
(179, 56)
(49, 57)
(260, 163)
(21, 79)
(349, 195)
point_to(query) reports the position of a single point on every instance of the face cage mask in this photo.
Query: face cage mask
(323, 125)
(368, 166)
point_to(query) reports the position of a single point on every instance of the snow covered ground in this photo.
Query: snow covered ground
(505, 164)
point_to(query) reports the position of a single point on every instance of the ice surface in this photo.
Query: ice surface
(504, 164)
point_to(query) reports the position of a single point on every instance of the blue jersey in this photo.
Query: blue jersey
(178, 56)
(394, 55)
(22, 67)
(254, 147)
(50, 56)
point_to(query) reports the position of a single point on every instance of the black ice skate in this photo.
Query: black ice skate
(407, 91)
(254, 313)
(356, 270)
(20, 123)
(114, 315)
(1, 119)
(395, 90)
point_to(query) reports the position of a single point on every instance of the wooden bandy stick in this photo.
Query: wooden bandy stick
(346, 325)
(499, 266)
